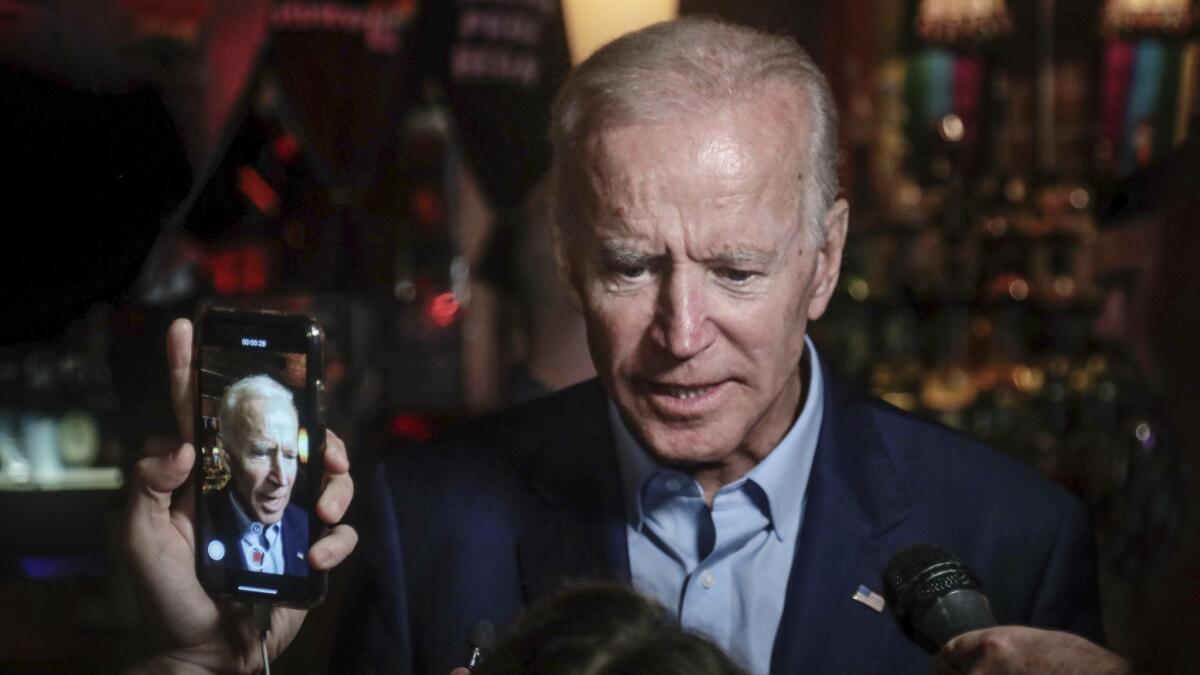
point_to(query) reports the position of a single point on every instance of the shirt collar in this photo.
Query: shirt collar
(782, 474)
(245, 524)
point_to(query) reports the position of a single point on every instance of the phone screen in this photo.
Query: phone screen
(259, 439)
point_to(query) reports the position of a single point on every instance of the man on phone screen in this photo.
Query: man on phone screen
(253, 519)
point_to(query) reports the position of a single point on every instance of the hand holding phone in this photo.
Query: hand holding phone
(259, 433)
(160, 541)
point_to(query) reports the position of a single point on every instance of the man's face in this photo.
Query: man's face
(696, 276)
(263, 457)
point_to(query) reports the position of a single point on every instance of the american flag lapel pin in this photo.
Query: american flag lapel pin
(869, 598)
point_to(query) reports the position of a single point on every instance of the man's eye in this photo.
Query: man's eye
(628, 271)
(735, 275)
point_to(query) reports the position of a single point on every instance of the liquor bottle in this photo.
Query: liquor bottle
(896, 375)
(948, 389)
(1048, 440)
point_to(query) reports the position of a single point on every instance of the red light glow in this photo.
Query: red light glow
(286, 147)
(258, 191)
(243, 269)
(411, 427)
(442, 309)
(427, 205)
(220, 267)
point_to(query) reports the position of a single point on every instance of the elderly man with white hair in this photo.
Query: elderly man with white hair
(714, 464)
(254, 520)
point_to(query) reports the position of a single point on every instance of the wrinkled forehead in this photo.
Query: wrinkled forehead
(273, 418)
(773, 122)
(739, 165)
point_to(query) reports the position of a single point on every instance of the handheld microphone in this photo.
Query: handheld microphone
(483, 638)
(934, 596)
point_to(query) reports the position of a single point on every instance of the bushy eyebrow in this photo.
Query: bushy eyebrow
(750, 257)
(622, 254)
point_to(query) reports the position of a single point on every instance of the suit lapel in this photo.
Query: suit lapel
(579, 527)
(295, 540)
(224, 526)
(853, 497)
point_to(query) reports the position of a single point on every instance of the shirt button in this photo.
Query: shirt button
(673, 484)
(707, 580)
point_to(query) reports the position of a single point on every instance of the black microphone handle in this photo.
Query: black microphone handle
(953, 614)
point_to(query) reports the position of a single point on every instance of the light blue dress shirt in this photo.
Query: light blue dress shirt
(724, 571)
(266, 540)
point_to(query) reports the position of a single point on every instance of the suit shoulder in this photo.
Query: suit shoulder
(944, 462)
(295, 514)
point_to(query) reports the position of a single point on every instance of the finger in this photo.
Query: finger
(183, 502)
(285, 621)
(159, 446)
(335, 498)
(333, 548)
(958, 655)
(337, 461)
(337, 487)
(155, 478)
(460, 671)
(179, 367)
(943, 664)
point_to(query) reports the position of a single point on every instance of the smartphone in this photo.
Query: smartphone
(260, 435)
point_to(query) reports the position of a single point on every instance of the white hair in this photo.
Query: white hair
(687, 69)
(231, 418)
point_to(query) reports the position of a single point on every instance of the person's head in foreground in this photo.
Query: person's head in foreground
(259, 430)
(599, 628)
(698, 229)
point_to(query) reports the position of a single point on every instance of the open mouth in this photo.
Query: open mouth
(685, 400)
(683, 393)
(273, 504)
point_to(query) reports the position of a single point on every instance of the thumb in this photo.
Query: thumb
(182, 377)
(155, 478)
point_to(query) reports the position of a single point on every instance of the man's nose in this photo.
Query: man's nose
(682, 326)
(277, 474)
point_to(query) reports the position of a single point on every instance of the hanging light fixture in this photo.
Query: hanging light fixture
(592, 23)
(1169, 17)
(958, 21)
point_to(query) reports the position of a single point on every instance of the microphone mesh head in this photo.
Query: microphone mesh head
(916, 577)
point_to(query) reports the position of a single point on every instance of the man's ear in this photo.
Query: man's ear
(829, 258)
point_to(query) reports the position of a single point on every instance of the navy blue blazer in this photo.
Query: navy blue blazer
(223, 523)
(502, 511)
